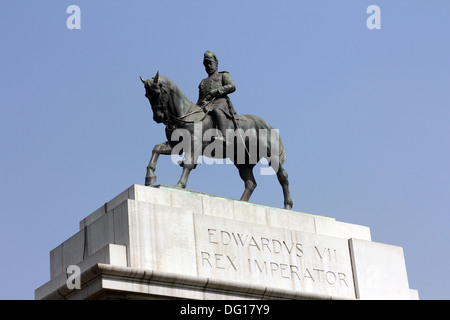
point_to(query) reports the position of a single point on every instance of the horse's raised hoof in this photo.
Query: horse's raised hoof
(150, 180)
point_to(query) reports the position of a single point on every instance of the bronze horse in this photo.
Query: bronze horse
(185, 119)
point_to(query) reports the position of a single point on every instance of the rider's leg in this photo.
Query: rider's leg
(221, 121)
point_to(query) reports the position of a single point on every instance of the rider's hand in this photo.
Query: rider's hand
(213, 93)
(207, 98)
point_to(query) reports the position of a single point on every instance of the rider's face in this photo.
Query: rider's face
(210, 66)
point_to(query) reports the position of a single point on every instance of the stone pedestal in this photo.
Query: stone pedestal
(161, 242)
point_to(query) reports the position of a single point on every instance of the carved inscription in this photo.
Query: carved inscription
(274, 257)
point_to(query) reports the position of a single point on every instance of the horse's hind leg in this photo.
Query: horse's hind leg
(187, 168)
(246, 174)
(283, 179)
(163, 148)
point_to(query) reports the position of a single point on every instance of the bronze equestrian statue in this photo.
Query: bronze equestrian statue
(213, 129)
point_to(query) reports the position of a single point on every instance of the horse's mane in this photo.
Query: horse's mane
(172, 86)
(169, 85)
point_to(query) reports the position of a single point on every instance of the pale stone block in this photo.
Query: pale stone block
(158, 291)
(121, 225)
(187, 200)
(135, 192)
(79, 247)
(218, 207)
(379, 270)
(107, 228)
(161, 238)
(56, 266)
(108, 206)
(99, 233)
(250, 212)
(88, 291)
(233, 250)
(341, 229)
(93, 216)
(117, 255)
(123, 196)
(193, 245)
(151, 195)
(73, 250)
(414, 294)
(287, 219)
(110, 254)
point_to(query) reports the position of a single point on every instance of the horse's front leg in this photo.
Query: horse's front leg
(163, 148)
(188, 165)
(191, 156)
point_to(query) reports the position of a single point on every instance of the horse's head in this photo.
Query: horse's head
(158, 98)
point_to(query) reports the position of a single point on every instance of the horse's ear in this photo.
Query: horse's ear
(143, 81)
(156, 78)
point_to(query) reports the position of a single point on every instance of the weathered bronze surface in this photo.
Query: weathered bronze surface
(213, 129)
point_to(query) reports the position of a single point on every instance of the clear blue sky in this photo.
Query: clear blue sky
(364, 115)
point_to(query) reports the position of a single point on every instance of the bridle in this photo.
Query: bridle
(172, 120)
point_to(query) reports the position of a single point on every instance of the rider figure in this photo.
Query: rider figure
(213, 93)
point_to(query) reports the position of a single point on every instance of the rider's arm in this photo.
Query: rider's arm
(228, 84)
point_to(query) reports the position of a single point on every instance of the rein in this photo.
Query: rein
(180, 119)
(172, 120)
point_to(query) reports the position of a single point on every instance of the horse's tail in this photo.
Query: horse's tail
(282, 152)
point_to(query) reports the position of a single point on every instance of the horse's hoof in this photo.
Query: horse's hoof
(180, 185)
(288, 206)
(150, 180)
